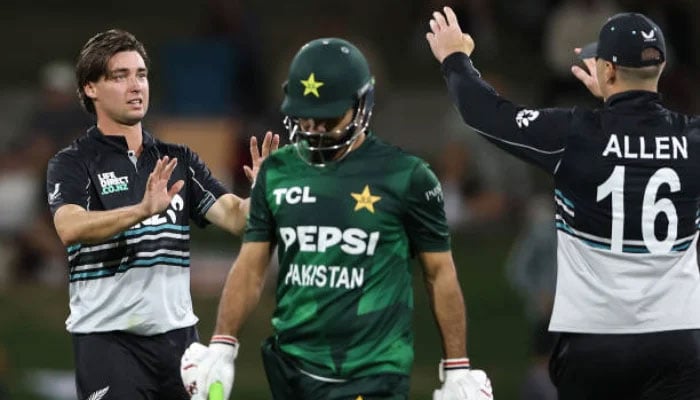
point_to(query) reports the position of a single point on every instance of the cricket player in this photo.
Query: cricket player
(346, 212)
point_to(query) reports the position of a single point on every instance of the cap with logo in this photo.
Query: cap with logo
(623, 39)
(326, 78)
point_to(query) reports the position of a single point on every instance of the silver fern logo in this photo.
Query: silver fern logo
(56, 194)
(99, 394)
(524, 117)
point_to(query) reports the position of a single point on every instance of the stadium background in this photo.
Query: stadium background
(217, 69)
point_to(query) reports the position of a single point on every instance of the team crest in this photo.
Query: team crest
(365, 200)
(311, 85)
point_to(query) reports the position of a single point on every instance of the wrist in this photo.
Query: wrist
(226, 345)
(453, 368)
(141, 211)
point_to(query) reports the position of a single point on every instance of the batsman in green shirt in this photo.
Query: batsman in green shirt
(347, 212)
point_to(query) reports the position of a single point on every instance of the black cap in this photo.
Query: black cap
(624, 37)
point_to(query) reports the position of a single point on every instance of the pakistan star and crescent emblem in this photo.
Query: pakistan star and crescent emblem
(365, 200)
(311, 85)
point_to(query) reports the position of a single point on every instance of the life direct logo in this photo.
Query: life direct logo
(111, 183)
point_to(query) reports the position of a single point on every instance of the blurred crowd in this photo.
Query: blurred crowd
(224, 72)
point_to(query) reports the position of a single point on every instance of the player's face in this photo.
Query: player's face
(331, 127)
(121, 95)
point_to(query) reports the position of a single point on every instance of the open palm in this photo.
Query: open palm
(588, 76)
(157, 196)
(270, 143)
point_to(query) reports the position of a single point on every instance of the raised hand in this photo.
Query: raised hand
(589, 77)
(157, 196)
(270, 143)
(446, 37)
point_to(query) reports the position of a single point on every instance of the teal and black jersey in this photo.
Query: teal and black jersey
(345, 235)
(139, 280)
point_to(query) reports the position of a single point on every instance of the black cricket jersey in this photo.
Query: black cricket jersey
(137, 281)
(627, 185)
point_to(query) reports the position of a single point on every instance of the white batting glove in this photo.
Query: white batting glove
(201, 368)
(189, 364)
(462, 383)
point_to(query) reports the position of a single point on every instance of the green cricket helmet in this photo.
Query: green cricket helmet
(327, 77)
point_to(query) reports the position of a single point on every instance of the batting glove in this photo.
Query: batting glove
(189, 364)
(214, 365)
(459, 382)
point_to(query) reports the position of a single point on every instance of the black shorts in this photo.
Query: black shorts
(288, 382)
(648, 366)
(127, 366)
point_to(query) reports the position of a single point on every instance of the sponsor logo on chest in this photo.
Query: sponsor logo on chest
(317, 239)
(111, 183)
(293, 195)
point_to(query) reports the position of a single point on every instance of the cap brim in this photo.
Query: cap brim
(314, 109)
(589, 51)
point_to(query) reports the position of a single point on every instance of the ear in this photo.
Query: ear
(610, 72)
(90, 90)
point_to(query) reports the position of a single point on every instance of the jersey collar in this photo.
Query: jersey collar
(634, 99)
(118, 142)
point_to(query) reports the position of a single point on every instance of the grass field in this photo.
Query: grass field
(32, 328)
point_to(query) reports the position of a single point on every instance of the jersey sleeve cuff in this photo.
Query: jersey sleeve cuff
(458, 62)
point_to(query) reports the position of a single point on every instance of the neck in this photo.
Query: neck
(132, 133)
(626, 87)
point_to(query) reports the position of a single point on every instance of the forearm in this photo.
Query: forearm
(230, 213)
(240, 296)
(448, 307)
(242, 216)
(477, 102)
(77, 225)
(536, 136)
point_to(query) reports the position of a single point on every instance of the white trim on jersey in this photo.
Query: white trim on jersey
(87, 190)
(194, 178)
(564, 206)
(535, 149)
(628, 242)
(138, 255)
(106, 246)
(322, 378)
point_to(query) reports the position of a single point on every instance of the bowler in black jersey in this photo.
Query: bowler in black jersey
(627, 187)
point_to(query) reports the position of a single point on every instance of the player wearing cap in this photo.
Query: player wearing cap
(627, 180)
(346, 212)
